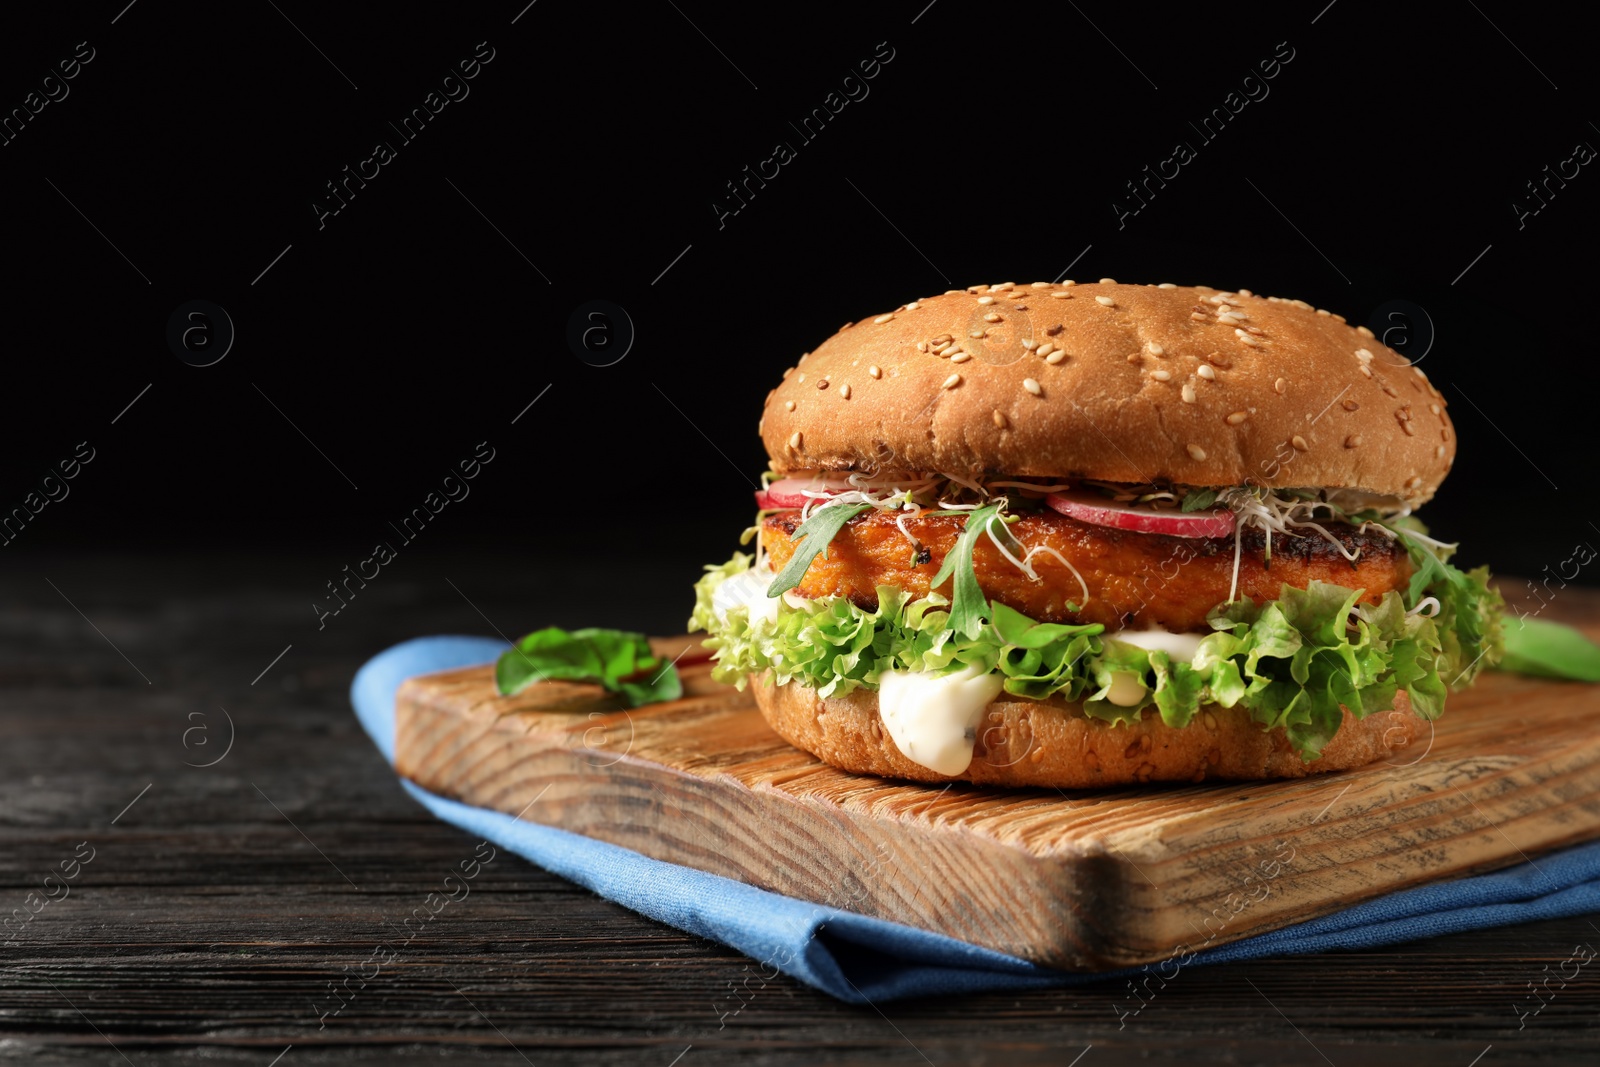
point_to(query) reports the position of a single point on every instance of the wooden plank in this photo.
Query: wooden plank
(1077, 880)
(209, 923)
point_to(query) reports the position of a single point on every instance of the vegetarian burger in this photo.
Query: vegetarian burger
(1084, 535)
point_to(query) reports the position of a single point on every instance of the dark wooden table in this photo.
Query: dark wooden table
(220, 902)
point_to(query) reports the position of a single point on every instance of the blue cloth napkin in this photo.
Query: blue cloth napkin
(857, 958)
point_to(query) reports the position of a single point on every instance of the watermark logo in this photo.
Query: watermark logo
(200, 333)
(1405, 327)
(600, 333)
(196, 738)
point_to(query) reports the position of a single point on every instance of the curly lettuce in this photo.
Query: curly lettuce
(1293, 662)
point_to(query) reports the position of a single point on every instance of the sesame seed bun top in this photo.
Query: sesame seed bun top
(1123, 383)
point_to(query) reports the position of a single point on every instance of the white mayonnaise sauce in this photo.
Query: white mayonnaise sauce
(1179, 647)
(746, 589)
(1126, 689)
(933, 719)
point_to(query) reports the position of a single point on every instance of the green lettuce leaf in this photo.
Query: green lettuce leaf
(1550, 650)
(1292, 662)
(618, 660)
(968, 606)
(1470, 612)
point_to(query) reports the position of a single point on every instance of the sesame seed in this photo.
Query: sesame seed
(1406, 426)
(1205, 371)
(796, 439)
(977, 333)
(1032, 386)
(1438, 453)
(944, 337)
(985, 299)
(1322, 311)
(1068, 282)
(802, 358)
(999, 419)
(1350, 405)
(960, 357)
(1299, 443)
(1236, 418)
(788, 405)
(1105, 301)
(991, 317)
(1245, 338)
(922, 346)
(1280, 385)
(1366, 370)
(1188, 392)
(1108, 281)
(1231, 318)
(1415, 482)
(1046, 348)
(875, 372)
(1155, 349)
(912, 306)
(1041, 285)
(1161, 375)
(1029, 343)
(801, 379)
(1133, 357)
(1418, 372)
(1052, 331)
(1390, 389)
(1363, 331)
(822, 384)
(1246, 292)
(844, 392)
(1363, 355)
(881, 319)
(954, 292)
(1061, 294)
(1166, 285)
(1002, 286)
(1196, 452)
(952, 381)
(976, 288)
(1055, 357)
(1434, 408)
(1198, 316)
(1353, 441)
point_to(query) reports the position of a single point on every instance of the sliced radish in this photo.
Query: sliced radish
(1100, 511)
(791, 492)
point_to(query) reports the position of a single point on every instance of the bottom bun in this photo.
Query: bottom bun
(1054, 744)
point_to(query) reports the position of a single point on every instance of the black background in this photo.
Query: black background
(415, 324)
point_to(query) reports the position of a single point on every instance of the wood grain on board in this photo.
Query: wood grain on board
(1086, 879)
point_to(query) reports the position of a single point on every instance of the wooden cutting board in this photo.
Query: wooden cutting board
(1082, 880)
